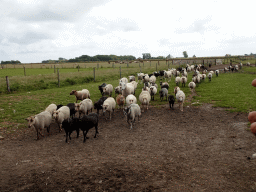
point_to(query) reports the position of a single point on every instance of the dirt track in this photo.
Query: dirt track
(201, 149)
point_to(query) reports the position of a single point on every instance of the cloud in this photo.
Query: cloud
(28, 38)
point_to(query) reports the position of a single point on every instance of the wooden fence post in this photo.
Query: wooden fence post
(7, 83)
(94, 73)
(120, 73)
(97, 66)
(54, 69)
(58, 78)
(24, 71)
(78, 68)
(143, 64)
(156, 66)
(140, 69)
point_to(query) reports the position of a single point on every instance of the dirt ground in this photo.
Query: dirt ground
(199, 149)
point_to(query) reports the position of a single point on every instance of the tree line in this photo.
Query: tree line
(10, 62)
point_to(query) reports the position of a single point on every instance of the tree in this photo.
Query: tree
(146, 55)
(194, 55)
(169, 56)
(185, 54)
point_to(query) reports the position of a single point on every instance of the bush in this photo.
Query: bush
(14, 87)
(70, 81)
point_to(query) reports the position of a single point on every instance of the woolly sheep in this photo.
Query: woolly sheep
(203, 76)
(69, 125)
(164, 85)
(84, 106)
(154, 84)
(101, 88)
(135, 84)
(176, 89)
(168, 74)
(99, 103)
(177, 80)
(152, 79)
(163, 93)
(81, 95)
(131, 78)
(171, 100)
(123, 80)
(118, 90)
(127, 89)
(109, 105)
(107, 90)
(180, 96)
(152, 91)
(131, 99)
(87, 122)
(183, 81)
(131, 112)
(51, 108)
(40, 121)
(145, 78)
(210, 76)
(60, 115)
(144, 98)
(192, 86)
(140, 76)
(120, 100)
(248, 64)
(240, 65)
(217, 72)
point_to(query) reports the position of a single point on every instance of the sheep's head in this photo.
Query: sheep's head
(31, 121)
(180, 98)
(77, 105)
(55, 115)
(127, 110)
(105, 107)
(73, 92)
(123, 86)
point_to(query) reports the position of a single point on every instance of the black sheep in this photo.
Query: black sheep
(156, 74)
(165, 86)
(71, 106)
(87, 122)
(171, 100)
(101, 88)
(70, 125)
(99, 103)
(161, 73)
(59, 106)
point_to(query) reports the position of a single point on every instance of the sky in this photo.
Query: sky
(35, 30)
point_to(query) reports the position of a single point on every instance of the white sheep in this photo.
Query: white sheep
(127, 89)
(192, 86)
(84, 107)
(180, 96)
(152, 92)
(210, 76)
(40, 121)
(118, 90)
(130, 99)
(145, 78)
(185, 73)
(135, 84)
(217, 72)
(177, 80)
(140, 76)
(131, 112)
(51, 108)
(168, 74)
(236, 67)
(144, 98)
(123, 80)
(152, 79)
(81, 95)
(240, 65)
(183, 81)
(107, 90)
(203, 76)
(131, 78)
(248, 63)
(60, 115)
(109, 105)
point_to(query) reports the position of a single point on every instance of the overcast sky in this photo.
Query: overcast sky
(36, 30)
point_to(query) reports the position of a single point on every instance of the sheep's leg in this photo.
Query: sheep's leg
(96, 130)
(48, 130)
(77, 133)
(66, 136)
(37, 135)
(109, 115)
(85, 135)
(69, 135)
(181, 106)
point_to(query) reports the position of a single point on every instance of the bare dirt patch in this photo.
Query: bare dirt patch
(200, 149)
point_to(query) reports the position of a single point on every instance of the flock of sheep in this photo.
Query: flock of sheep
(65, 116)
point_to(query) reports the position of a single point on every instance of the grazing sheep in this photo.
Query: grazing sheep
(123, 80)
(101, 88)
(107, 90)
(210, 76)
(171, 100)
(168, 74)
(131, 78)
(51, 108)
(120, 100)
(225, 69)
(152, 91)
(145, 89)
(163, 93)
(183, 81)
(140, 76)
(71, 107)
(236, 67)
(40, 121)
(145, 78)
(81, 95)
(118, 90)
(177, 80)
(154, 84)
(87, 122)
(144, 98)
(59, 106)
(203, 76)
(70, 125)
(127, 89)
(152, 79)
(248, 64)
(217, 72)
(109, 105)
(60, 115)
(84, 106)
(99, 103)
(240, 65)
(164, 85)
(180, 96)
(135, 84)
(131, 112)
(131, 99)
(192, 86)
